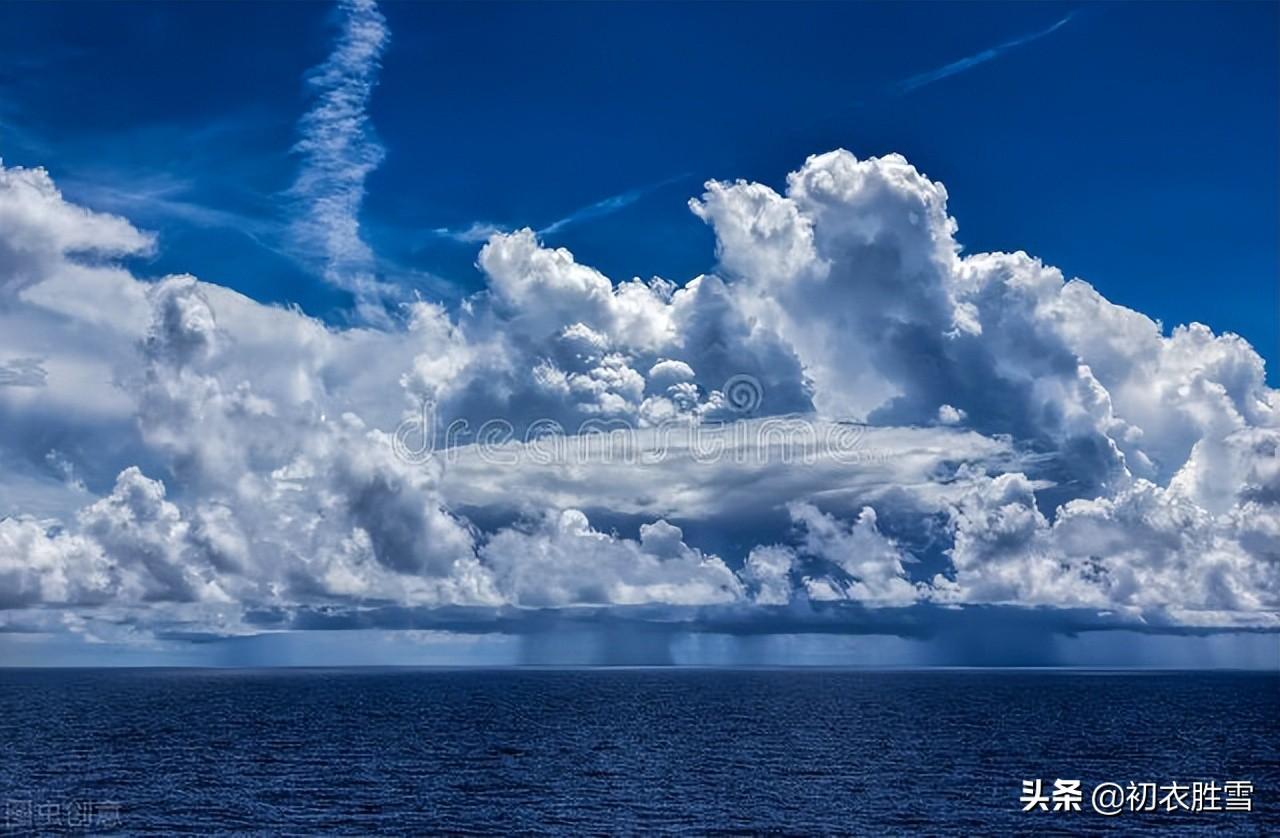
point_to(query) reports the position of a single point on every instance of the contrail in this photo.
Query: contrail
(339, 149)
(479, 231)
(956, 67)
(609, 205)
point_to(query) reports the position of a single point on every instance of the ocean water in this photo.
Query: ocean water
(639, 751)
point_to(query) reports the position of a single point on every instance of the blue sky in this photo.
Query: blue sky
(292, 294)
(1132, 147)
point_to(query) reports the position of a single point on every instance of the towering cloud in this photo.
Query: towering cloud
(848, 411)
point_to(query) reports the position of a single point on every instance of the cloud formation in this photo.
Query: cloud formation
(479, 231)
(849, 414)
(970, 61)
(339, 150)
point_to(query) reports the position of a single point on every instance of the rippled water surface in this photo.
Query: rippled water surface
(620, 751)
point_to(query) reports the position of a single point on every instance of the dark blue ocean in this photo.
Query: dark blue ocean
(620, 751)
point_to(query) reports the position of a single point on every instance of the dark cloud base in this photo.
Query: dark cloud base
(975, 638)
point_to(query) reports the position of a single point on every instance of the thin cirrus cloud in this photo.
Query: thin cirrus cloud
(480, 231)
(946, 71)
(610, 205)
(339, 150)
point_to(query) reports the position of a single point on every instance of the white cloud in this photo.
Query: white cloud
(768, 570)
(563, 561)
(712, 471)
(339, 150)
(1146, 550)
(180, 451)
(44, 235)
(873, 563)
(978, 58)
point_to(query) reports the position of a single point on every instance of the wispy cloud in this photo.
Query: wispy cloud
(969, 62)
(149, 198)
(23, 372)
(339, 149)
(478, 231)
(608, 206)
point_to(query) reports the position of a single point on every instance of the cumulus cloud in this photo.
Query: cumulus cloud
(873, 563)
(767, 571)
(43, 233)
(1147, 550)
(563, 561)
(849, 412)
